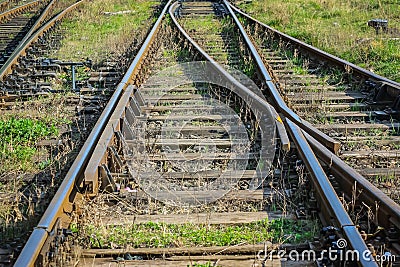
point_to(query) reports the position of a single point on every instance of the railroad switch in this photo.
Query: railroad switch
(58, 64)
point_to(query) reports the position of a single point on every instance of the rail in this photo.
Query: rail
(332, 206)
(21, 49)
(277, 98)
(63, 199)
(389, 211)
(35, 26)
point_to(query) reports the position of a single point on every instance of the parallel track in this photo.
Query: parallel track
(25, 58)
(130, 125)
(19, 76)
(17, 24)
(360, 110)
(346, 176)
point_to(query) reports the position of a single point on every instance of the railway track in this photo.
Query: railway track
(365, 79)
(22, 74)
(203, 146)
(7, 5)
(30, 82)
(360, 112)
(17, 24)
(24, 85)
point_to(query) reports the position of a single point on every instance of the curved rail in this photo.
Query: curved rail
(330, 198)
(63, 199)
(248, 95)
(388, 214)
(389, 211)
(276, 97)
(321, 54)
(35, 26)
(18, 10)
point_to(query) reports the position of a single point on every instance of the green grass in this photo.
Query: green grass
(338, 27)
(96, 35)
(18, 140)
(24, 131)
(184, 235)
(205, 24)
(26, 124)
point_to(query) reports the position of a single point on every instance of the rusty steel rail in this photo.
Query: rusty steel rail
(331, 206)
(7, 66)
(62, 202)
(9, 14)
(388, 211)
(91, 173)
(347, 177)
(31, 38)
(276, 97)
(343, 64)
(37, 24)
(329, 198)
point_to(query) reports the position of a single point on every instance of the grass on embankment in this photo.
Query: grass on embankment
(163, 235)
(26, 124)
(102, 29)
(338, 27)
